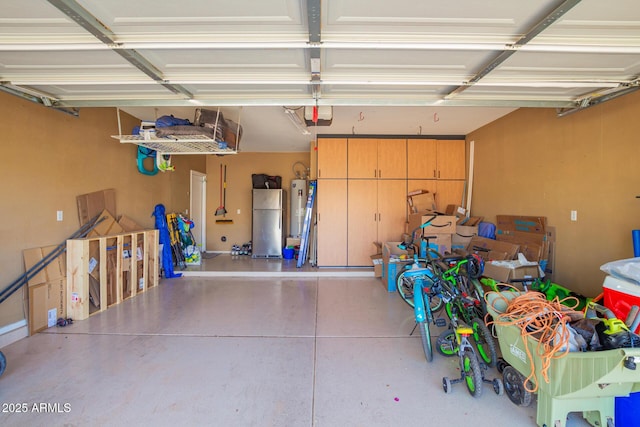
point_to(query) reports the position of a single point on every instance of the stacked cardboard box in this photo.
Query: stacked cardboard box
(438, 232)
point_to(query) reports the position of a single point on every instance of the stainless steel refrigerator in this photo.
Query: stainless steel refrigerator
(269, 220)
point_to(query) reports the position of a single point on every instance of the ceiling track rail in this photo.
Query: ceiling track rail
(315, 40)
(43, 100)
(588, 102)
(86, 20)
(542, 25)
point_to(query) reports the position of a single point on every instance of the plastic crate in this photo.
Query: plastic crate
(585, 382)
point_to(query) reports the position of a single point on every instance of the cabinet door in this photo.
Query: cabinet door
(451, 159)
(392, 159)
(449, 193)
(332, 158)
(392, 211)
(332, 222)
(362, 158)
(421, 159)
(363, 221)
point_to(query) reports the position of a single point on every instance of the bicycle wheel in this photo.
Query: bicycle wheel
(446, 344)
(3, 363)
(472, 373)
(484, 342)
(425, 336)
(404, 286)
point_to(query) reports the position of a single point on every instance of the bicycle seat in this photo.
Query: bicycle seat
(451, 259)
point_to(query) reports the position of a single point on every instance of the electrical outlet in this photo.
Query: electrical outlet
(238, 211)
(574, 215)
(59, 215)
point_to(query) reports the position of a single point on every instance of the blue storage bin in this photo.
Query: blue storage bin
(628, 410)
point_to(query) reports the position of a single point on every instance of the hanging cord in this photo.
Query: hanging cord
(545, 321)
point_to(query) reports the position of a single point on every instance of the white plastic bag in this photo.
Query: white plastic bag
(626, 269)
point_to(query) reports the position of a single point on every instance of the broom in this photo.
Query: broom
(221, 209)
(224, 200)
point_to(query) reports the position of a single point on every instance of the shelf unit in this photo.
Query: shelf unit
(177, 144)
(104, 271)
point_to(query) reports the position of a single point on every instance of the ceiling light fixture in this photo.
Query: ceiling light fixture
(297, 121)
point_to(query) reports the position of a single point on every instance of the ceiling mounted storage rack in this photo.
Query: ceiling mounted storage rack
(182, 144)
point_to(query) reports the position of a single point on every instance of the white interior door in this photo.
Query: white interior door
(197, 208)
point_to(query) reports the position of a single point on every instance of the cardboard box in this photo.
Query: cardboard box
(293, 241)
(506, 271)
(440, 243)
(46, 305)
(463, 235)
(128, 225)
(458, 211)
(527, 224)
(108, 226)
(441, 224)
(421, 200)
(91, 204)
(376, 260)
(55, 270)
(489, 249)
(391, 261)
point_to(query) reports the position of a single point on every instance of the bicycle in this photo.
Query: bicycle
(471, 369)
(417, 284)
(466, 301)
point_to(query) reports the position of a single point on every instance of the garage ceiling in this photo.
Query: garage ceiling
(458, 64)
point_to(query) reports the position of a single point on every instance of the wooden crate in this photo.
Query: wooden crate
(106, 270)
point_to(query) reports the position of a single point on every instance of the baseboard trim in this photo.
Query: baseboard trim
(13, 332)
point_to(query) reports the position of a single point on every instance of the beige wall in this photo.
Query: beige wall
(48, 158)
(533, 163)
(240, 167)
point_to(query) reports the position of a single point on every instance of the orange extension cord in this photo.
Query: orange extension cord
(545, 321)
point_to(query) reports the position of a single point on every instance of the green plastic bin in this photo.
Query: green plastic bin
(586, 382)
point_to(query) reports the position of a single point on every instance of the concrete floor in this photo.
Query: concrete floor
(248, 350)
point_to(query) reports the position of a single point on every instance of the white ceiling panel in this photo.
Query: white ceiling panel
(392, 58)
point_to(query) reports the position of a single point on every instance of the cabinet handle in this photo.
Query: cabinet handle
(434, 173)
(319, 173)
(379, 173)
(438, 174)
(375, 173)
(379, 217)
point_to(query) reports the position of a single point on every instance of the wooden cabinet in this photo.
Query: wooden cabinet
(435, 159)
(421, 159)
(332, 158)
(451, 159)
(362, 226)
(449, 192)
(331, 216)
(376, 213)
(372, 158)
(363, 185)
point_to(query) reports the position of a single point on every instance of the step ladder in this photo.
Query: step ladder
(306, 225)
